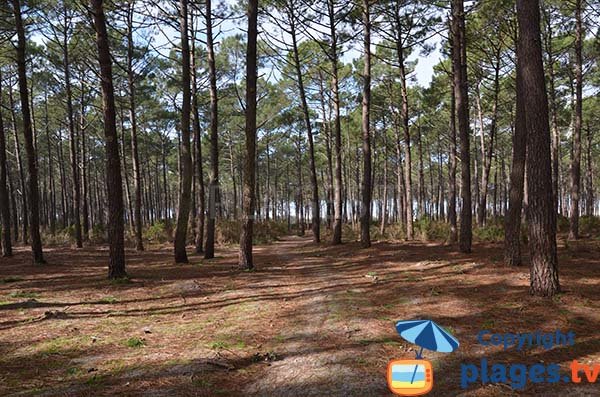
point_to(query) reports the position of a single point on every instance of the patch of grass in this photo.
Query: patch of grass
(279, 338)
(487, 324)
(216, 345)
(204, 383)
(59, 345)
(73, 371)
(360, 361)
(458, 269)
(135, 342)
(95, 380)
(121, 281)
(108, 300)
(576, 321)
(12, 279)
(221, 344)
(557, 298)
(23, 294)
(450, 330)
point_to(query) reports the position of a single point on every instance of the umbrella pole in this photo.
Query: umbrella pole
(416, 366)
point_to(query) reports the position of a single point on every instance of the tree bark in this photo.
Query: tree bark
(116, 266)
(209, 248)
(459, 62)
(452, 163)
(84, 169)
(4, 198)
(316, 210)
(541, 216)
(365, 210)
(408, 200)
(183, 212)
(245, 252)
(23, 182)
(576, 160)
(137, 179)
(34, 215)
(200, 216)
(512, 224)
(337, 129)
(76, 219)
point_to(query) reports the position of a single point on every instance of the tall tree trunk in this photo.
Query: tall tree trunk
(589, 202)
(316, 210)
(129, 213)
(84, 171)
(245, 252)
(452, 164)
(512, 224)
(116, 265)
(34, 221)
(4, 198)
(76, 219)
(365, 209)
(384, 212)
(549, 36)
(183, 212)
(576, 161)
(541, 216)
(487, 155)
(137, 179)
(337, 130)
(462, 115)
(405, 128)
(23, 182)
(200, 216)
(209, 248)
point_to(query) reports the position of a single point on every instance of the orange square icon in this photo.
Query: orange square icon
(410, 377)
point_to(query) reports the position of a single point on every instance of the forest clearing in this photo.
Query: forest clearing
(299, 198)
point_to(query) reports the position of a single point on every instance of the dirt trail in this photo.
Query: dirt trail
(312, 365)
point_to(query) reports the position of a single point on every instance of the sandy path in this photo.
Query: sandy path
(313, 365)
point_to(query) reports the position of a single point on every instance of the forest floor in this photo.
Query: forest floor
(310, 321)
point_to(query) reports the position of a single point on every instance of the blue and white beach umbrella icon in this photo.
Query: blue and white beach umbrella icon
(427, 335)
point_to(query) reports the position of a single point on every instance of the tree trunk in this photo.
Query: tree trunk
(576, 161)
(384, 212)
(459, 62)
(549, 36)
(183, 212)
(316, 210)
(199, 222)
(23, 182)
(408, 200)
(541, 216)
(116, 265)
(512, 224)
(245, 252)
(84, 165)
(137, 179)
(209, 249)
(76, 219)
(4, 198)
(365, 210)
(488, 155)
(589, 202)
(34, 221)
(337, 130)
